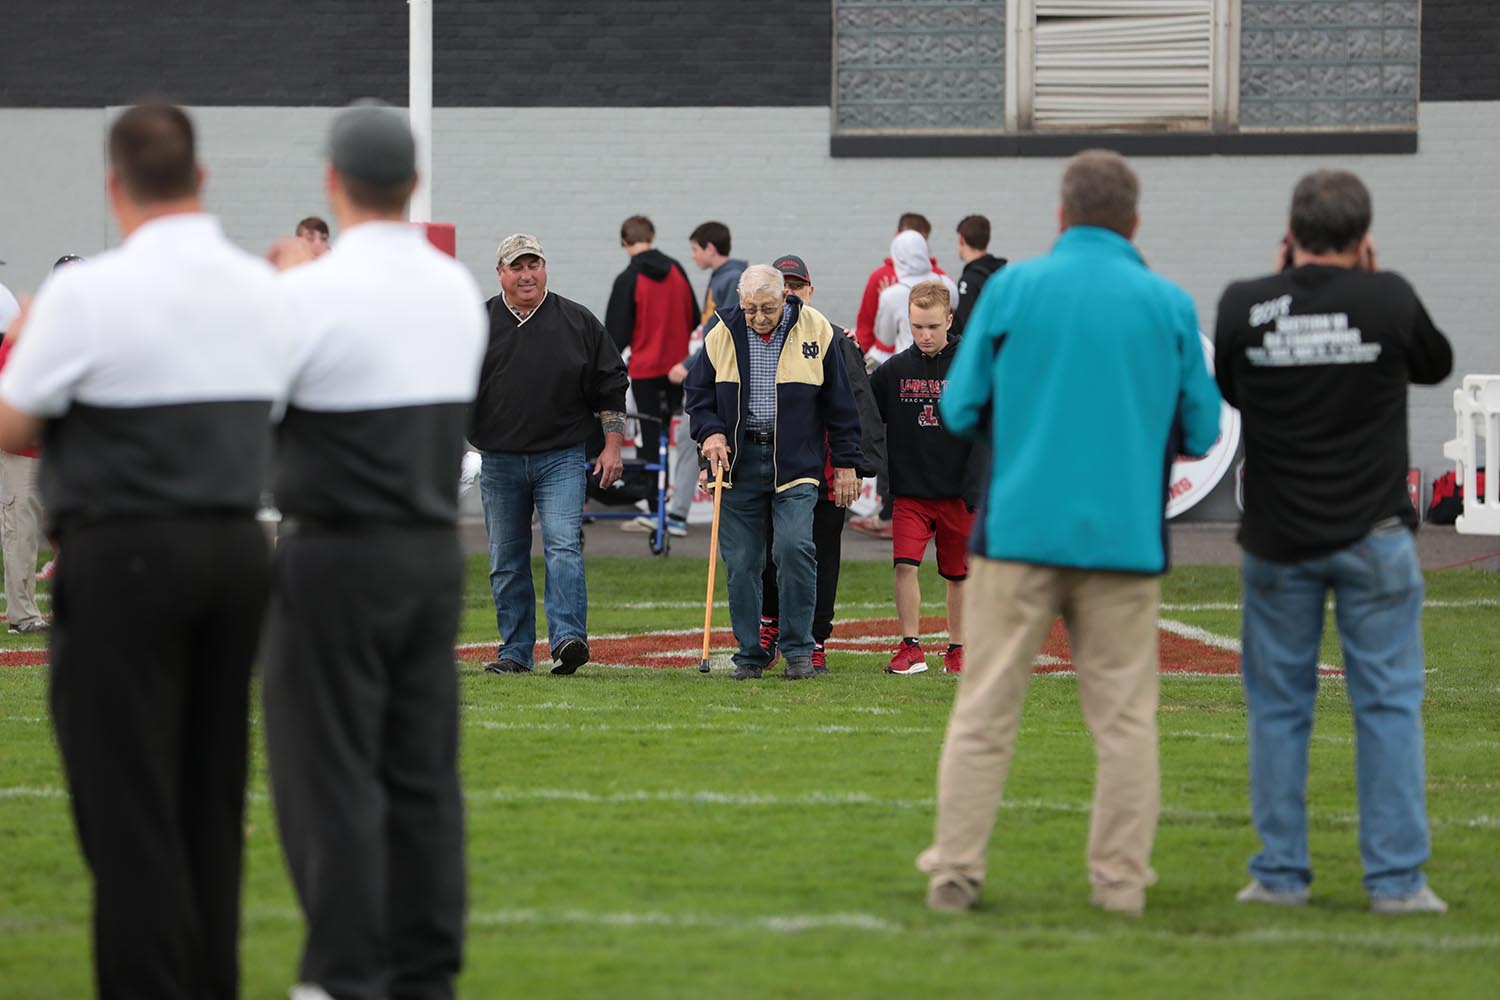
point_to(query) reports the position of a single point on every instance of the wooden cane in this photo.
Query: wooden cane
(713, 564)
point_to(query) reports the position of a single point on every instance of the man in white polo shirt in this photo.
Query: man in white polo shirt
(360, 691)
(150, 372)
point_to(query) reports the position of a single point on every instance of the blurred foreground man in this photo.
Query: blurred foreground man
(360, 690)
(150, 372)
(1085, 353)
(1317, 359)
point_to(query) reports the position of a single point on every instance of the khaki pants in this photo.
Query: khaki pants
(20, 535)
(1111, 619)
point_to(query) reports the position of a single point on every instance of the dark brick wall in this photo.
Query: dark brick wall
(91, 53)
(1460, 50)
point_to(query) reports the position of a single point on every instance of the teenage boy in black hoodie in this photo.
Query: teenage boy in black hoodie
(979, 266)
(936, 492)
(651, 311)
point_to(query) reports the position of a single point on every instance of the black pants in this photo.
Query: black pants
(157, 622)
(656, 399)
(828, 539)
(361, 700)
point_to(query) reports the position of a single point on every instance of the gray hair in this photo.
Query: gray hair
(1100, 189)
(761, 279)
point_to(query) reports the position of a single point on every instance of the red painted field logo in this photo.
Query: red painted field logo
(1185, 649)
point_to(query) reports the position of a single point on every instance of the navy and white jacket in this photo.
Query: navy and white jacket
(816, 415)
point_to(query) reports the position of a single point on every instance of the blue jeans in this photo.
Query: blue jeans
(1377, 585)
(749, 508)
(511, 484)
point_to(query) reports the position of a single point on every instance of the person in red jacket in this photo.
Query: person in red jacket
(652, 312)
(882, 278)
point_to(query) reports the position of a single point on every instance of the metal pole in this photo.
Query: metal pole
(420, 104)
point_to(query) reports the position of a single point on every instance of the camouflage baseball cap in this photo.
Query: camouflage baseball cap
(518, 245)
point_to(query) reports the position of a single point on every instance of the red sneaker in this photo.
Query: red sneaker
(953, 660)
(819, 659)
(770, 631)
(908, 659)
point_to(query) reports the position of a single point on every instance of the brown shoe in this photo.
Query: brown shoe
(952, 895)
(1123, 900)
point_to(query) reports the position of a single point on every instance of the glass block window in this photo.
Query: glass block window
(1328, 64)
(919, 66)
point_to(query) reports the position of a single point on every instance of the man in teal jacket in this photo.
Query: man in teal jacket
(1084, 373)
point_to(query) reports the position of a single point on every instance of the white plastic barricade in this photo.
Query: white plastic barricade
(1476, 406)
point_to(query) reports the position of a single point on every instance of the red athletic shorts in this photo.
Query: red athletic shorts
(916, 521)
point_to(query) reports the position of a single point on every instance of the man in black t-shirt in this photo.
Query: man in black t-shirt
(1317, 358)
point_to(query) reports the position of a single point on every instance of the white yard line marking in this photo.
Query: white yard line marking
(1225, 643)
(741, 800)
(32, 792)
(795, 923)
(934, 730)
(1477, 602)
(685, 605)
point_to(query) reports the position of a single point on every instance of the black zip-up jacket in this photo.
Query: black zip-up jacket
(925, 460)
(871, 426)
(544, 381)
(970, 283)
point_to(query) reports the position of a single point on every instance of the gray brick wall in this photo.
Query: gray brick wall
(590, 53)
(919, 64)
(1206, 220)
(1320, 64)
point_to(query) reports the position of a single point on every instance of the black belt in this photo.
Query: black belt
(760, 437)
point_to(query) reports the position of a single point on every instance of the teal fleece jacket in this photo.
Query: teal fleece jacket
(1085, 373)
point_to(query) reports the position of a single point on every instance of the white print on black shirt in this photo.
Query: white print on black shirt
(1263, 312)
(925, 393)
(1323, 339)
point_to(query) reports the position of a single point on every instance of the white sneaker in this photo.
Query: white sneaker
(1257, 892)
(1424, 900)
(677, 529)
(640, 525)
(309, 991)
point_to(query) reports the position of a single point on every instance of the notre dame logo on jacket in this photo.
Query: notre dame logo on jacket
(815, 411)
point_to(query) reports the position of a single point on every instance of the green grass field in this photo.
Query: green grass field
(659, 833)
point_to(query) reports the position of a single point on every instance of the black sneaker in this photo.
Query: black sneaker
(571, 655)
(504, 666)
(746, 672)
(798, 668)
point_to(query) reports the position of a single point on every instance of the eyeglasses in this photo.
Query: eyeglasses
(771, 310)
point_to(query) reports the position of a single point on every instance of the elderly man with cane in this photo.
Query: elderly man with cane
(768, 399)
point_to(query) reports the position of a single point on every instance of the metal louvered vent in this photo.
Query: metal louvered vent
(1123, 64)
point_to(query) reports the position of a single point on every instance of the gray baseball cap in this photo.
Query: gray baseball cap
(518, 245)
(372, 142)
